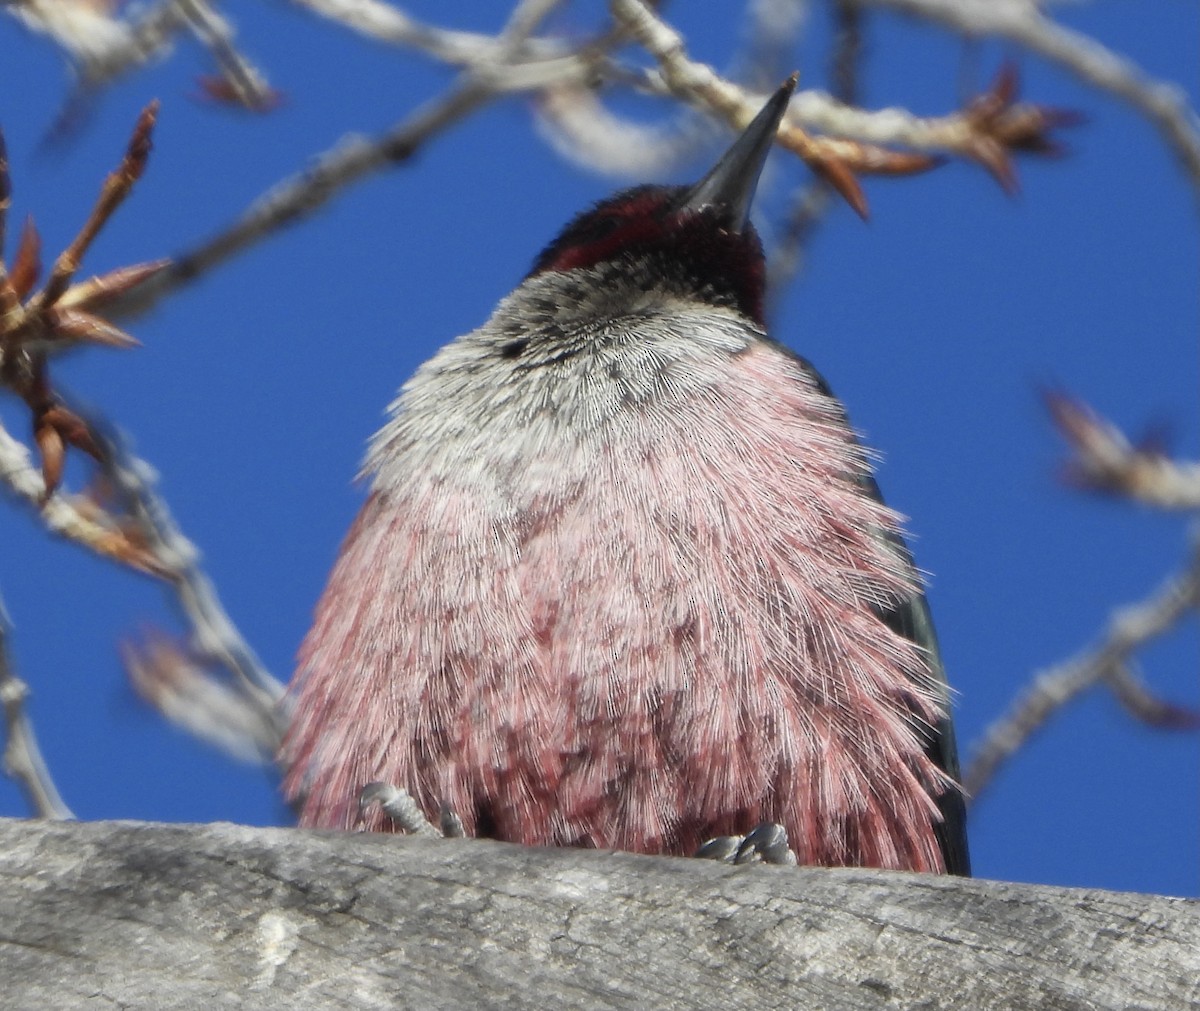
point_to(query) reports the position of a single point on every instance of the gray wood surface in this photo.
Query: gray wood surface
(131, 915)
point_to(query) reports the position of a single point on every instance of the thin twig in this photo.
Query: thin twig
(248, 86)
(684, 77)
(1129, 629)
(214, 634)
(105, 41)
(155, 546)
(66, 516)
(1165, 105)
(852, 140)
(1105, 460)
(352, 159)
(812, 202)
(524, 20)
(23, 760)
(529, 64)
(582, 129)
(116, 188)
(299, 196)
(386, 23)
(183, 686)
(1138, 699)
(99, 41)
(771, 33)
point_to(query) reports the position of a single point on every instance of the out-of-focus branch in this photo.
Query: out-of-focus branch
(23, 760)
(1138, 699)
(71, 517)
(351, 160)
(575, 121)
(1110, 662)
(809, 205)
(240, 81)
(771, 34)
(986, 131)
(144, 537)
(214, 634)
(1106, 461)
(139, 532)
(524, 20)
(577, 124)
(297, 197)
(104, 44)
(1165, 105)
(386, 23)
(99, 43)
(181, 684)
(247, 720)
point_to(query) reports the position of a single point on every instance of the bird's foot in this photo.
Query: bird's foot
(406, 814)
(767, 844)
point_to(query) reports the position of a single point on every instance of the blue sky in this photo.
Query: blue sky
(936, 323)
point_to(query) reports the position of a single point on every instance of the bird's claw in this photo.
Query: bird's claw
(398, 805)
(767, 844)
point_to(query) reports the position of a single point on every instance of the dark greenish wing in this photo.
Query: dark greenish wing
(911, 619)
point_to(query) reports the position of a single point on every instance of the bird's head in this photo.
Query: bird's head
(697, 235)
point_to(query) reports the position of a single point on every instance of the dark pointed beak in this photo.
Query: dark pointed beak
(728, 189)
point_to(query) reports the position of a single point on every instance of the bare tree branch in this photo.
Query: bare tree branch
(142, 534)
(104, 44)
(386, 23)
(498, 66)
(146, 538)
(23, 760)
(245, 83)
(213, 633)
(1104, 460)
(100, 44)
(1139, 700)
(179, 683)
(71, 517)
(986, 131)
(1129, 629)
(1165, 105)
(302, 194)
(351, 160)
(810, 204)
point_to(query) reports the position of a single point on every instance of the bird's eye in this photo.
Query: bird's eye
(514, 348)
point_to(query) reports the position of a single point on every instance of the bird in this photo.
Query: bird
(623, 577)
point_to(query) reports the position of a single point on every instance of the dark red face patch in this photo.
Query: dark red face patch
(642, 229)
